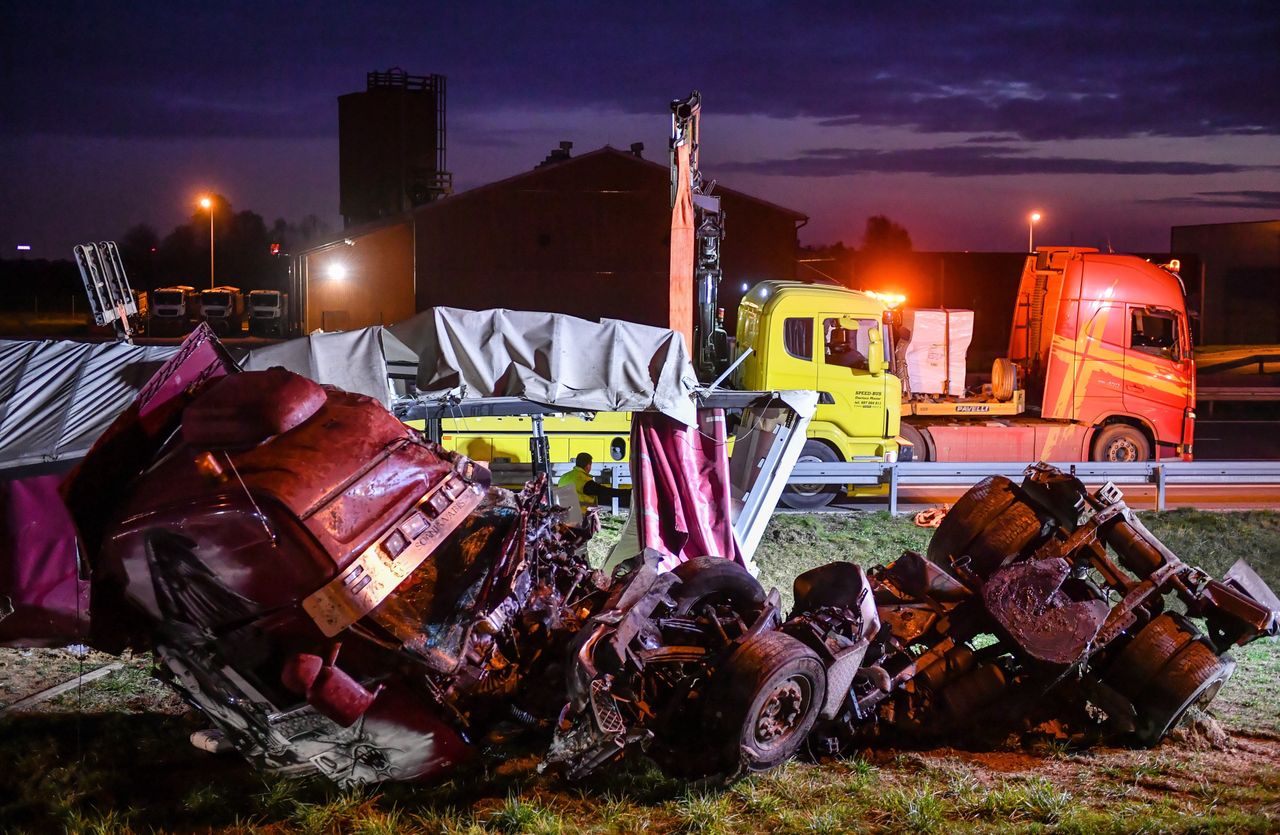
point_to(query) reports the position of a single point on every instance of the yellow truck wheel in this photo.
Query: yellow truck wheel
(811, 496)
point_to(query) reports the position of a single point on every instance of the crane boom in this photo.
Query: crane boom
(697, 223)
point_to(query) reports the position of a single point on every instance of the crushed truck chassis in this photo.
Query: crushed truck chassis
(340, 596)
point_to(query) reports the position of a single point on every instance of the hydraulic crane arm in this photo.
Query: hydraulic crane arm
(697, 223)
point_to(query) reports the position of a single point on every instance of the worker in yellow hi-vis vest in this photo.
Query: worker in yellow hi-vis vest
(588, 489)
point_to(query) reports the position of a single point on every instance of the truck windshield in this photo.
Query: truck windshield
(168, 297)
(217, 299)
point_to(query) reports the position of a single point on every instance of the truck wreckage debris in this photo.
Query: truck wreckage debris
(338, 595)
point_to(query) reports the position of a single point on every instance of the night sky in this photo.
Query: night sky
(955, 119)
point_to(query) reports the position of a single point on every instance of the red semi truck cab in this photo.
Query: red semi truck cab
(1103, 345)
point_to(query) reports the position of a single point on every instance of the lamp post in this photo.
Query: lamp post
(1031, 231)
(206, 203)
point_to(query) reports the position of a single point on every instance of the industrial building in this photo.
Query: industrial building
(586, 235)
(391, 146)
(1238, 283)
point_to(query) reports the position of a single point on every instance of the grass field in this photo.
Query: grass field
(114, 756)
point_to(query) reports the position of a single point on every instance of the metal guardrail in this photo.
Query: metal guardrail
(935, 473)
(917, 473)
(1236, 394)
(1206, 364)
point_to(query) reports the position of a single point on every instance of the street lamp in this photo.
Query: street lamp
(206, 203)
(1031, 231)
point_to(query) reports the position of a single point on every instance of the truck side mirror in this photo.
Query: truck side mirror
(875, 352)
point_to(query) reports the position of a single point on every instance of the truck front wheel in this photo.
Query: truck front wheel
(811, 496)
(919, 446)
(1121, 442)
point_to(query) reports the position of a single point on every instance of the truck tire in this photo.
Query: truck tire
(919, 443)
(1121, 442)
(1004, 379)
(1192, 677)
(989, 523)
(716, 580)
(1142, 658)
(811, 496)
(762, 704)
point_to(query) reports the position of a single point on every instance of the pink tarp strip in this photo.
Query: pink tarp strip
(681, 478)
(38, 566)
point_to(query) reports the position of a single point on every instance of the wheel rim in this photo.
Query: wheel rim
(807, 489)
(1122, 449)
(783, 711)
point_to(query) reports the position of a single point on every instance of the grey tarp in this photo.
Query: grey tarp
(553, 359)
(351, 360)
(57, 397)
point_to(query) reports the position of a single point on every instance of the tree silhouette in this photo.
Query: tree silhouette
(883, 235)
(140, 250)
(242, 249)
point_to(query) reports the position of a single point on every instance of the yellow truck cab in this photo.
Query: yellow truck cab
(830, 339)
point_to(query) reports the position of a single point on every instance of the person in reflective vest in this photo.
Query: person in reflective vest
(588, 489)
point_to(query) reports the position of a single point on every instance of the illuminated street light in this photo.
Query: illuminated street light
(1031, 231)
(207, 204)
(337, 271)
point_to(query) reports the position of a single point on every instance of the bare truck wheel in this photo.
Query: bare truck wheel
(811, 496)
(1151, 648)
(718, 581)
(1192, 678)
(762, 703)
(1167, 669)
(1121, 442)
(989, 523)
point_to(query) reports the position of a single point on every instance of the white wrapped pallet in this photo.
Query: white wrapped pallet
(935, 351)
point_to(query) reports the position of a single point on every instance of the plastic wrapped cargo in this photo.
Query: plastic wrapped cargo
(934, 350)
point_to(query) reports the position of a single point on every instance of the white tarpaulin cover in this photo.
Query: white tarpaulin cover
(935, 351)
(553, 359)
(56, 398)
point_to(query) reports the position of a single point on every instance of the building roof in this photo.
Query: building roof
(610, 152)
(1230, 223)
(535, 174)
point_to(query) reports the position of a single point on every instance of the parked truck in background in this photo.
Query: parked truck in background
(1099, 368)
(223, 308)
(268, 313)
(172, 311)
(141, 301)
